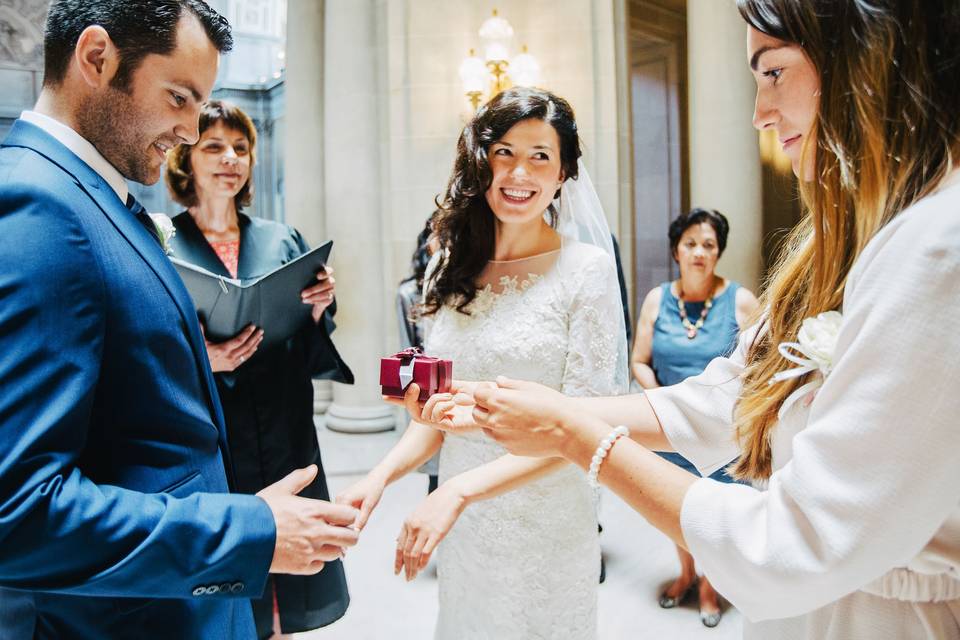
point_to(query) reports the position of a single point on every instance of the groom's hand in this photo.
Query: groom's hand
(309, 532)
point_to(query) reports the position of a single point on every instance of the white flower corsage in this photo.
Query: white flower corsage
(816, 342)
(165, 230)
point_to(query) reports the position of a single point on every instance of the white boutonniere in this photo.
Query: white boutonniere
(816, 343)
(165, 231)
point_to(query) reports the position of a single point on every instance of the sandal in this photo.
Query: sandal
(667, 602)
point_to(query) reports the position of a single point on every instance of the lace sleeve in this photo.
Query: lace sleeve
(596, 353)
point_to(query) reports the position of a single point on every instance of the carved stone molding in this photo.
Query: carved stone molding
(21, 33)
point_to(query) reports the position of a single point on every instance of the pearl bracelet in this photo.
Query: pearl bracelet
(602, 450)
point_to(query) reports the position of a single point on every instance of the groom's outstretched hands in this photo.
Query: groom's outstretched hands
(309, 532)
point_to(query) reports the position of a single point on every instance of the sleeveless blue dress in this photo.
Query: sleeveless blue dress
(677, 357)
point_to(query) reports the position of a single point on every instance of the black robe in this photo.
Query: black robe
(268, 406)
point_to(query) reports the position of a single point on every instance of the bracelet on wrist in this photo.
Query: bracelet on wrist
(601, 453)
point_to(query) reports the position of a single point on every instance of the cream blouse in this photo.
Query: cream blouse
(865, 494)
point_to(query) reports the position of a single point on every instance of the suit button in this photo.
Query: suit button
(199, 591)
(236, 587)
(212, 589)
(224, 588)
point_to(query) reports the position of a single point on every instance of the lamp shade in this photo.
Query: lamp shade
(525, 70)
(497, 36)
(473, 74)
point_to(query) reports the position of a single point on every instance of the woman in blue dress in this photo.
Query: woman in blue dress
(683, 325)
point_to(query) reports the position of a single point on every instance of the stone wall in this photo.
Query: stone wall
(21, 57)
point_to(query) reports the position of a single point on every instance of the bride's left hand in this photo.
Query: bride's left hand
(527, 418)
(451, 411)
(423, 530)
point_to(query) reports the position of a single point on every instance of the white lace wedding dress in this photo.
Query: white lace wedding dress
(525, 565)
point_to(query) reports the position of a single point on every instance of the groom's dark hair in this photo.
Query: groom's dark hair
(137, 28)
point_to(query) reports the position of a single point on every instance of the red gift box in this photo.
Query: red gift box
(432, 375)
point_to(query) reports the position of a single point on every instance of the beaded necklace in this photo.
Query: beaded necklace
(694, 327)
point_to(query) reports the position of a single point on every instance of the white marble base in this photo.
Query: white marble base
(362, 419)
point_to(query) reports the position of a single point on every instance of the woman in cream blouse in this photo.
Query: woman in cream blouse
(848, 429)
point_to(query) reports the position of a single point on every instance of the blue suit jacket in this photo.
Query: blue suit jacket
(114, 513)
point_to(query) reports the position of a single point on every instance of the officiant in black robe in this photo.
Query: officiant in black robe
(266, 392)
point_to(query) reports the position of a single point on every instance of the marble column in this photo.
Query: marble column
(725, 172)
(353, 148)
(303, 143)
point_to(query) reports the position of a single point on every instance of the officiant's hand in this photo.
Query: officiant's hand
(423, 530)
(527, 418)
(320, 295)
(363, 496)
(309, 532)
(228, 355)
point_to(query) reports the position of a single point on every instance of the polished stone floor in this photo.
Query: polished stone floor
(640, 562)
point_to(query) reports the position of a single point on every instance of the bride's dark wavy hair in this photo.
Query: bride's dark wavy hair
(465, 224)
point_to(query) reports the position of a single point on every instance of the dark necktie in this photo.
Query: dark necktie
(137, 209)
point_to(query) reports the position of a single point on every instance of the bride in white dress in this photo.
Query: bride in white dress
(528, 289)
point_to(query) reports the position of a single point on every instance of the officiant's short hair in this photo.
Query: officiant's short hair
(179, 172)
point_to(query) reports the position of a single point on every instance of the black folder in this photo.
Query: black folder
(271, 302)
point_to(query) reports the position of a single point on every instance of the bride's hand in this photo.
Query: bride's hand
(364, 496)
(527, 418)
(423, 530)
(451, 411)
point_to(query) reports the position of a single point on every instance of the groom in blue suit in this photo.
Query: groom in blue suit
(115, 516)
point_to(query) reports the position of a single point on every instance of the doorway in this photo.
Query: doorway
(657, 40)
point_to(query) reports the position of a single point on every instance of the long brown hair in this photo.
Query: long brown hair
(886, 133)
(465, 224)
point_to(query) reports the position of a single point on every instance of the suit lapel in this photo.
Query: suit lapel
(250, 254)
(26, 135)
(151, 252)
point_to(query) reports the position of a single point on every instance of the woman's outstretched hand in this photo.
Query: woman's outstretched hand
(364, 496)
(527, 418)
(423, 530)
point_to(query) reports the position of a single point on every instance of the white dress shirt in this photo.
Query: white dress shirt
(857, 533)
(82, 148)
